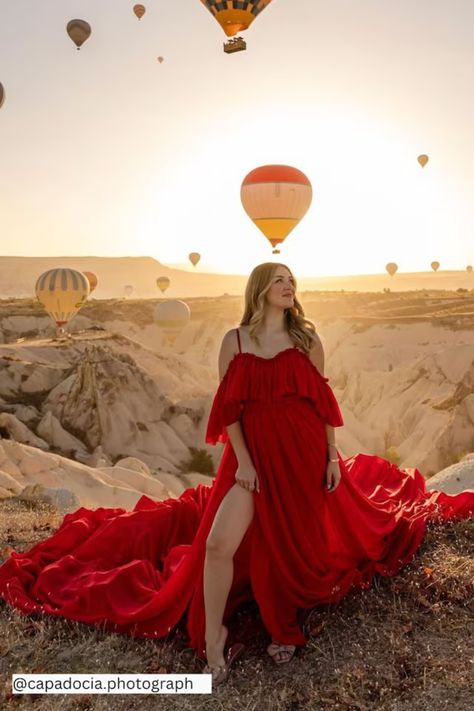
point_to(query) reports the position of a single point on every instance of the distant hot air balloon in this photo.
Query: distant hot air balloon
(276, 197)
(234, 15)
(62, 292)
(2, 95)
(469, 268)
(391, 268)
(194, 258)
(163, 283)
(435, 266)
(161, 59)
(128, 289)
(78, 31)
(92, 280)
(423, 160)
(139, 10)
(172, 316)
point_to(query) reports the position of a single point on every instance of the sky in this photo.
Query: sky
(106, 152)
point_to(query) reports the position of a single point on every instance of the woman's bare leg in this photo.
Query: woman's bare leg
(231, 521)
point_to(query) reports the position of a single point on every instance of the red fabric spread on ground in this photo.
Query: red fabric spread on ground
(140, 572)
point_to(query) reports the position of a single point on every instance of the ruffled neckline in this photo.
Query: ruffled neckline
(273, 358)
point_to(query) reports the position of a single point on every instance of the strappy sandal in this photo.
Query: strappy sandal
(220, 674)
(275, 648)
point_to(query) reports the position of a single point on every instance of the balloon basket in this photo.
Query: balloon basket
(236, 44)
(276, 251)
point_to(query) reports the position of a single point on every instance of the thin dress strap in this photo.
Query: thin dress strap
(238, 339)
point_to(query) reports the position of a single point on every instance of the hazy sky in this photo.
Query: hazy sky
(107, 152)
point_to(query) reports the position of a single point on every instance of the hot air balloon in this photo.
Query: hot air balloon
(161, 59)
(423, 160)
(172, 316)
(469, 268)
(276, 197)
(139, 10)
(62, 292)
(391, 268)
(128, 289)
(78, 31)
(163, 283)
(92, 279)
(435, 266)
(234, 15)
(194, 258)
(2, 95)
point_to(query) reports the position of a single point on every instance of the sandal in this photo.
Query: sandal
(220, 674)
(285, 652)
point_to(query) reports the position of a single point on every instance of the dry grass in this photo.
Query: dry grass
(407, 644)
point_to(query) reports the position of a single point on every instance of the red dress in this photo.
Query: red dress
(140, 572)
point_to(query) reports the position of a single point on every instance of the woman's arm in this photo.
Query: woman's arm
(227, 351)
(316, 355)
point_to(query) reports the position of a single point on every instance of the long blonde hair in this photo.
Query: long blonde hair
(300, 329)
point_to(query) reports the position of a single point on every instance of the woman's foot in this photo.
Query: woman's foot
(221, 672)
(215, 651)
(281, 653)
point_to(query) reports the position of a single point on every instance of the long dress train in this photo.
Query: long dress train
(140, 572)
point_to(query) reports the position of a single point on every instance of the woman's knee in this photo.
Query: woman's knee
(219, 546)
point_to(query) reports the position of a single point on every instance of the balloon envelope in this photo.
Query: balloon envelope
(62, 292)
(78, 31)
(2, 95)
(194, 258)
(391, 268)
(276, 197)
(92, 279)
(423, 160)
(172, 316)
(235, 15)
(469, 268)
(128, 289)
(163, 283)
(435, 266)
(139, 10)
(161, 59)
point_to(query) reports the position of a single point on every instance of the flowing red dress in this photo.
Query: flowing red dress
(140, 572)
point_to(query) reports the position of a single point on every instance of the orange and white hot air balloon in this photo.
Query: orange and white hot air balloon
(235, 15)
(93, 281)
(62, 292)
(276, 197)
(139, 10)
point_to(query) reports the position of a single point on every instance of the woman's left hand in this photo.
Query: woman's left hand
(333, 476)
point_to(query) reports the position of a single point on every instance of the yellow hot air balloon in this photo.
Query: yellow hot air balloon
(171, 316)
(139, 10)
(128, 289)
(235, 15)
(391, 268)
(276, 197)
(435, 266)
(163, 283)
(469, 268)
(194, 258)
(79, 31)
(2, 95)
(423, 160)
(62, 292)
(92, 279)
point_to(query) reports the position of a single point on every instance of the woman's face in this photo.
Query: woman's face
(282, 290)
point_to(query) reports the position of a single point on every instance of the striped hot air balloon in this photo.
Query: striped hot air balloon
(276, 197)
(235, 15)
(62, 292)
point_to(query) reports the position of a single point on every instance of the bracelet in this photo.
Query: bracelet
(333, 460)
(332, 444)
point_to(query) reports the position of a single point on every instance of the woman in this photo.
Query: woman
(273, 324)
(287, 522)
